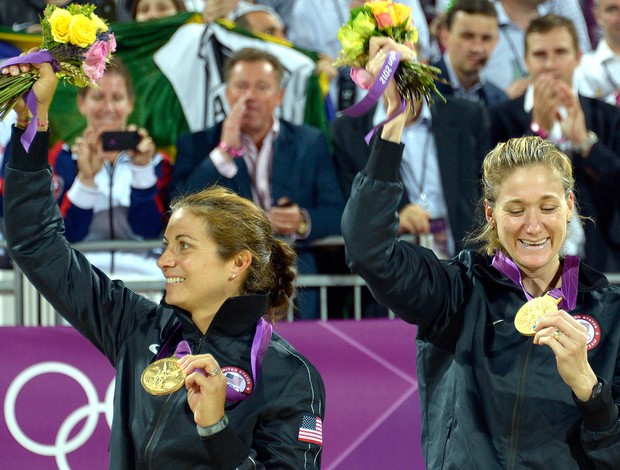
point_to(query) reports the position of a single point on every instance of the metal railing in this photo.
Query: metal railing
(21, 304)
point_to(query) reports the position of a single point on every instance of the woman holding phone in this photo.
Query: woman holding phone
(110, 183)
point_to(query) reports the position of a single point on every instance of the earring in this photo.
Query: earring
(232, 276)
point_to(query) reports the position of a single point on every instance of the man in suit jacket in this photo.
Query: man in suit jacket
(588, 130)
(284, 168)
(472, 34)
(457, 137)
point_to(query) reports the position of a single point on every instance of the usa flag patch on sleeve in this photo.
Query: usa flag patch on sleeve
(311, 429)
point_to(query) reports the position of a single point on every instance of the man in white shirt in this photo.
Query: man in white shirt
(598, 74)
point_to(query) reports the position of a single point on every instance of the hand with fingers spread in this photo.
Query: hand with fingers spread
(206, 388)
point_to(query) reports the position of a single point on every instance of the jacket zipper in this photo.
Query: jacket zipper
(516, 412)
(156, 430)
(160, 416)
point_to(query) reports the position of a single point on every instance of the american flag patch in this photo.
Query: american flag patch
(311, 429)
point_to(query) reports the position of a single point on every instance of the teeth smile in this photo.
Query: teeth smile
(172, 280)
(528, 243)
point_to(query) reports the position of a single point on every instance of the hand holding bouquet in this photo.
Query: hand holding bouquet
(414, 79)
(76, 42)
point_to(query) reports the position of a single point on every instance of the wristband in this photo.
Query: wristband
(210, 430)
(232, 151)
(536, 129)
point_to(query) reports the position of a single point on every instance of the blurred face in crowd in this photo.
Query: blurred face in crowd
(531, 216)
(470, 42)
(109, 107)
(255, 83)
(265, 23)
(607, 13)
(553, 52)
(153, 9)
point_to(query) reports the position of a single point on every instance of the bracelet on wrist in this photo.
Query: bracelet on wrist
(232, 151)
(210, 430)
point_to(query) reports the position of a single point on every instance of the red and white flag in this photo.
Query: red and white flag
(311, 429)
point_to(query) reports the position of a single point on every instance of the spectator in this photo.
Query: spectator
(145, 10)
(506, 67)
(259, 19)
(471, 36)
(440, 173)
(586, 128)
(598, 73)
(111, 195)
(285, 168)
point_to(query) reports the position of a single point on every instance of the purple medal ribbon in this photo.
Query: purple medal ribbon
(374, 94)
(38, 57)
(260, 343)
(570, 276)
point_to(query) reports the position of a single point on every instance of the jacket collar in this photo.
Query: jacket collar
(589, 278)
(237, 316)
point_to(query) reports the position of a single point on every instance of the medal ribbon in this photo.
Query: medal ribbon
(260, 343)
(376, 90)
(570, 275)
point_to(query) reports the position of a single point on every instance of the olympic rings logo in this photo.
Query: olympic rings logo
(62, 445)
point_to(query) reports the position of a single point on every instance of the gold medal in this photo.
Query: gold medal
(530, 314)
(163, 377)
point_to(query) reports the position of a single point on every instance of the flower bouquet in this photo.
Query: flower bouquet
(414, 79)
(76, 42)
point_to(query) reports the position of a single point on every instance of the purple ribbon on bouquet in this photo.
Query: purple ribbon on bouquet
(260, 343)
(38, 57)
(376, 90)
(570, 277)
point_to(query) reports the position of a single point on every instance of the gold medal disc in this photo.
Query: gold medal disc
(163, 377)
(532, 311)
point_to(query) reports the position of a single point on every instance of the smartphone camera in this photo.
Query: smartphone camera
(120, 140)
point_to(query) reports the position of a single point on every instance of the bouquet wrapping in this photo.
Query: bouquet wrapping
(414, 79)
(76, 42)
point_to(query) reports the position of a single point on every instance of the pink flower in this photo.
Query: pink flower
(361, 78)
(95, 59)
(384, 20)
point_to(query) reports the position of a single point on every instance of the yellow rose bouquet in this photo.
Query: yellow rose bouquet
(76, 42)
(414, 79)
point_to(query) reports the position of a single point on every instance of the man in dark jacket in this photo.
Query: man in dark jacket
(472, 34)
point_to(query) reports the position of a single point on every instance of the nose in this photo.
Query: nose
(532, 223)
(165, 260)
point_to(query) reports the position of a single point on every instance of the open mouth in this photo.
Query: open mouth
(534, 244)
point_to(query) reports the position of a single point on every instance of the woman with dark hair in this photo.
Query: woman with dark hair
(250, 400)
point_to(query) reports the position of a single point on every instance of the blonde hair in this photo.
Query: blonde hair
(235, 223)
(501, 162)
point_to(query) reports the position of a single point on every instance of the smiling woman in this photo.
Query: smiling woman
(518, 345)
(249, 400)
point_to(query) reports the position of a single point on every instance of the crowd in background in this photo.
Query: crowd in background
(509, 68)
